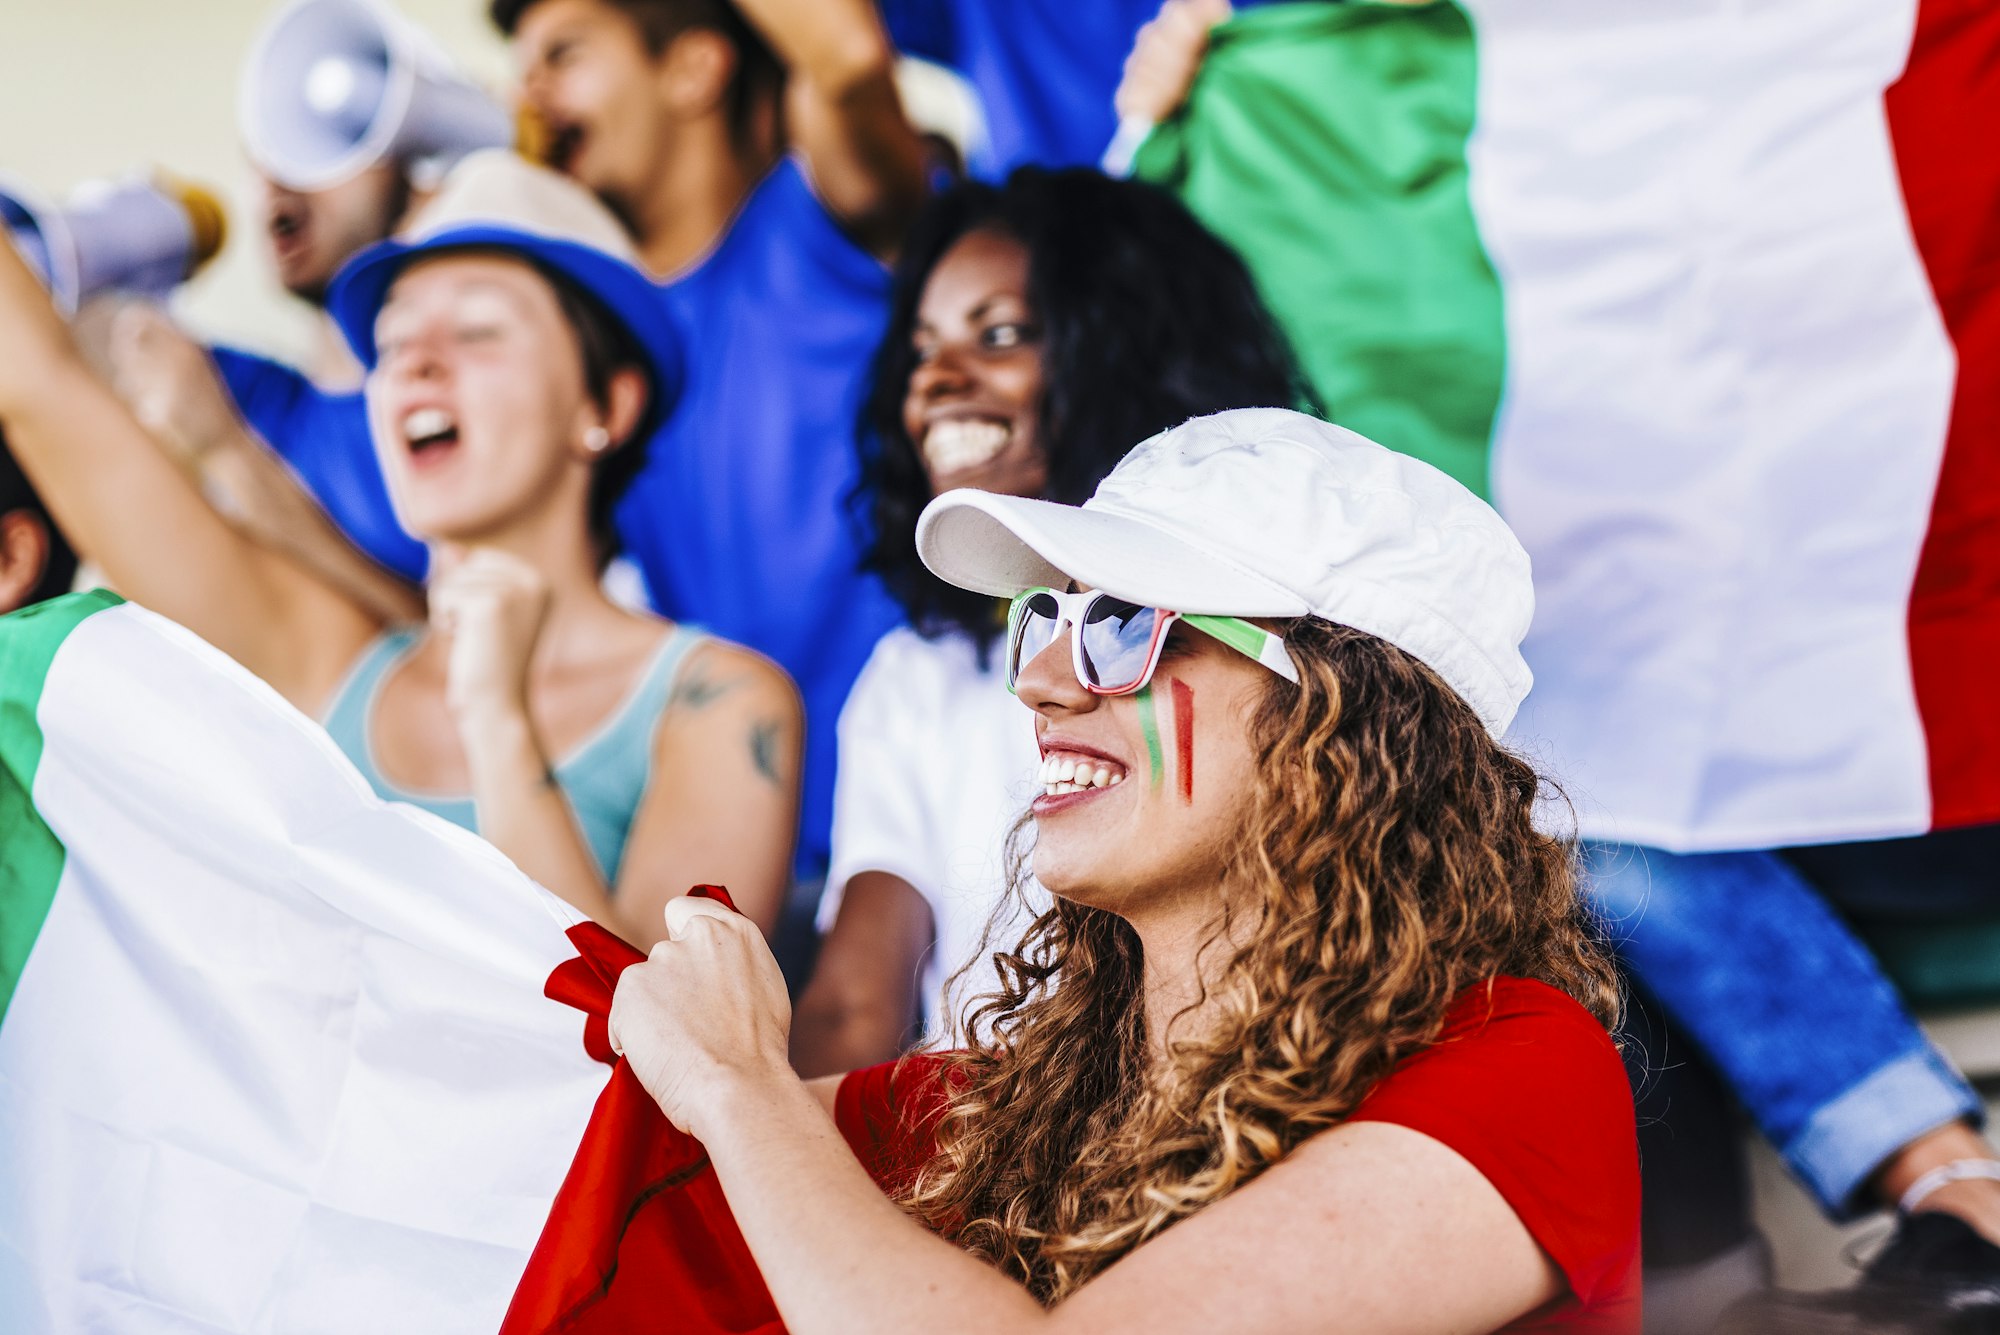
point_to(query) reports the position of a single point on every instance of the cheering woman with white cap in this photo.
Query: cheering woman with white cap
(517, 364)
(1313, 1035)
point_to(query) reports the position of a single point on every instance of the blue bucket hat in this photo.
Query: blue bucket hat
(497, 201)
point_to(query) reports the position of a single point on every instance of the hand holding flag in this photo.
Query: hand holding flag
(705, 1014)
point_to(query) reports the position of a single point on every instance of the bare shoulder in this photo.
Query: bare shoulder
(729, 697)
(722, 677)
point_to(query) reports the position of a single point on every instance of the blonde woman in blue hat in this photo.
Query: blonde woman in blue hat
(515, 373)
(1313, 1036)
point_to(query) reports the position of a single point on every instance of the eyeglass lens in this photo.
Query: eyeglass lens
(1034, 632)
(1117, 636)
(1113, 641)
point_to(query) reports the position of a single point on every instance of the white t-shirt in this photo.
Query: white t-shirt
(937, 762)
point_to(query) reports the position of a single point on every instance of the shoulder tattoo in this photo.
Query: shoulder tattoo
(766, 742)
(697, 689)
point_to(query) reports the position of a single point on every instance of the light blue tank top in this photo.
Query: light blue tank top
(602, 779)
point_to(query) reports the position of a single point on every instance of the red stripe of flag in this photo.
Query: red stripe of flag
(1944, 120)
(639, 1237)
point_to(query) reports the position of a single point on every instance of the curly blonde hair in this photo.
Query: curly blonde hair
(1393, 861)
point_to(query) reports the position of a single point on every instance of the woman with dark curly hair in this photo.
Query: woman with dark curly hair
(1313, 1035)
(1038, 328)
(1111, 313)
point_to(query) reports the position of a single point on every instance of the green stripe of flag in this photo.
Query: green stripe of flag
(1326, 142)
(31, 857)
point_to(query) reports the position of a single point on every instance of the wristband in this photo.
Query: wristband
(1958, 1170)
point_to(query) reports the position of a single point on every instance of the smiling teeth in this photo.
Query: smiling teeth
(952, 447)
(1073, 774)
(424, 423)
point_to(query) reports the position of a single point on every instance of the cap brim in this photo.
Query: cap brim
(362, 286)
(1004, 544)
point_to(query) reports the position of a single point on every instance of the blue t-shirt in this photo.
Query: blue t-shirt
(324, 437)
(1045, 70)
(740, 519)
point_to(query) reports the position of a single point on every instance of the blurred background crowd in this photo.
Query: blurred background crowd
(619, 570)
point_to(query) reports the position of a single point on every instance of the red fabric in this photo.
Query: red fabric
(639, 1236)
(1951, 188)
(1526, 1086)
(1522, 1083)
(888, 1115)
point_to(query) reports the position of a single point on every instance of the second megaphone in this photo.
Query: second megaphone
(140, 234)
(335, 86)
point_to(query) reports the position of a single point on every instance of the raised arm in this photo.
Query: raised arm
(489, 608)
(171, 385)
(866, 161)
(722, 799)
(127, 507)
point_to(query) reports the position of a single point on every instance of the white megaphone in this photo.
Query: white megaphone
(139, 234)
(335, 86)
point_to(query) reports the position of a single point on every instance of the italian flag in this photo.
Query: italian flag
(1703, 295)
(278, 1057)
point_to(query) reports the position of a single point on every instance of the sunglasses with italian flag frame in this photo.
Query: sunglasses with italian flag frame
(1116, 644)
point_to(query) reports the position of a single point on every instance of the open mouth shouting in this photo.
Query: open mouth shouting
(430, 434)
(564, 144)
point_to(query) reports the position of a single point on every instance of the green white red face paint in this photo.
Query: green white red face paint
(1149, 726)
(1184, 735)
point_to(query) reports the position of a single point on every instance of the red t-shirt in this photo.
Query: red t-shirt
(1522, 1083)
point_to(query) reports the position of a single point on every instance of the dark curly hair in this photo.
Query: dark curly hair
(1148, 319)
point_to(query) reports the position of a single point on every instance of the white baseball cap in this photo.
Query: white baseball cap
(1265, 512)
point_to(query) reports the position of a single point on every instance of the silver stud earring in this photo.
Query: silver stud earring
(597, 440)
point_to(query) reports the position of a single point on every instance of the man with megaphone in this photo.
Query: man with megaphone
(348, 113)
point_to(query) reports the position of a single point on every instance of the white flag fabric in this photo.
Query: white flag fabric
(274, 1055)
(1702, 295)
